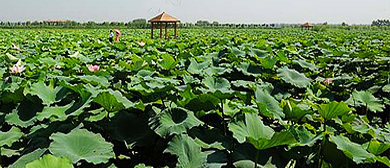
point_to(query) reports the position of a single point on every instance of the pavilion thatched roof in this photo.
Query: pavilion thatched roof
(307, 24)
(163, 17)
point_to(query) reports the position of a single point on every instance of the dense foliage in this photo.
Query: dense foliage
(213, 98)
(203, 24)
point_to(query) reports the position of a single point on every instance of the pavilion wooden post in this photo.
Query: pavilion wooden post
(166, 30)
(151, 36)
(160, 30)
(175, 30)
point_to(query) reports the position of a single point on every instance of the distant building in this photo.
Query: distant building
(307, 25)
(160, 21)
(56, 22)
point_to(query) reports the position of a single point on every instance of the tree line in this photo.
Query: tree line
(144, 24)
(136, 23)
(381, 22)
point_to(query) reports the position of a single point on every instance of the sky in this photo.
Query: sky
(223, 11)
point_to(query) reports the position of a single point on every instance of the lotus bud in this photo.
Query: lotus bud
(93, 68)
(327, 80)
(141, 43)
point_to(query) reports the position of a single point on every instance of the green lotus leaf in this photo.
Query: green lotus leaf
(386, 101)
(188, 79)
(215, 71)
(306, 138)
(306, 65)
(203, 102)
(48, 94)
(2, 72)
(13, 118)
(81, 144)
(365, 98)
(156, 84)
(196, 68)
(173, 121)
(252, 127)
(267, 87)
(217, 84)
(386, 88)
(333, 109)
(86, 91)
(278, 139)
(215, 159)
(314, 93)
(268, 62)
(249, 69)
(230, 109)
(293, 77)
(166, 80)
(144, 73)
(97, 115)
(267, 104)
(168, 62)
(10, 152)
(11, 136)
(131, 128)
(48, 61)
(136, 64)
(238, 52)
(383, 159)
(112, 100)
(95, 80)
(189, 153)
(209, 138)
(119, 46)
(243, 83)
(258, 52)
(54, 113)
(14, 87)
(187, 95)
(358, 125)
(375, 147)
(50, 161)
(142, 165)
(295, 111)
(27, 158)
(352, 150)
(250, 163)
(144, 90)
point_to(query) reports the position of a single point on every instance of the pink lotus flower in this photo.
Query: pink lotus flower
(327, 80)
(93, 68)
(17, 69)
(141, 43)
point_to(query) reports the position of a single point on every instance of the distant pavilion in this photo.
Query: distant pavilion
(307, 25)
(164, 20)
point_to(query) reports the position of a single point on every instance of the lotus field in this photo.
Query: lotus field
(211, 98)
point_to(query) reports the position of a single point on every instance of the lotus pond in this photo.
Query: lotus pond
(212, 98)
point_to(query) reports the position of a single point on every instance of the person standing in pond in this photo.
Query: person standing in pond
(111, 36)
(117, 33)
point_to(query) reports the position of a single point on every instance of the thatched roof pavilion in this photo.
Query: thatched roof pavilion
(307, 25)
(164, 19)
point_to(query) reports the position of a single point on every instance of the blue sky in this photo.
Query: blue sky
(224, 11)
